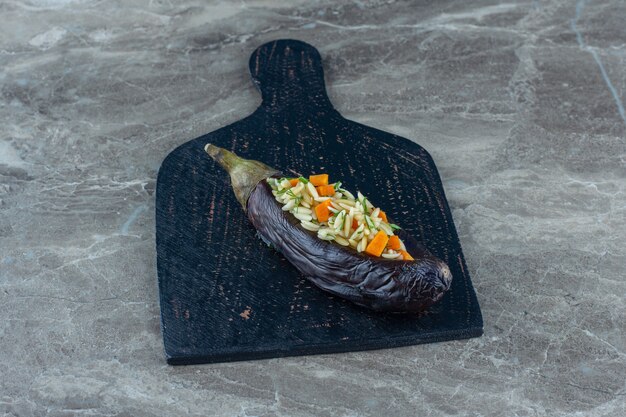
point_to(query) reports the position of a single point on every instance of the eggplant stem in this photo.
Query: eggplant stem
(225, 158)
(245, 174)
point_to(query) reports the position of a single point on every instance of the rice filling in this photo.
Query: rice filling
(339, 216)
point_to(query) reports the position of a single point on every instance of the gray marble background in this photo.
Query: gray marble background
(521, 104)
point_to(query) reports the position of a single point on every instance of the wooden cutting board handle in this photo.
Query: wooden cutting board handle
(289, 74)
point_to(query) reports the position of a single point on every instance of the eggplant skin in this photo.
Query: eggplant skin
(375, 283)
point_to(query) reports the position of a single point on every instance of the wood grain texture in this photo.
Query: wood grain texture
(226, 296)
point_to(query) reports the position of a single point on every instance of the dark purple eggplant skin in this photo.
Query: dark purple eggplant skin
(375, 283)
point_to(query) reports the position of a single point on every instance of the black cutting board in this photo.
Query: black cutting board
(227, 296)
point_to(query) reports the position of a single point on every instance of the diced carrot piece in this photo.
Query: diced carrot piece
(406, 256)
(319, 179)
(394, 242)
(377, 245)
(322, 212)
(355, 224)
(294, 181)
(325, 190)
(383, 216)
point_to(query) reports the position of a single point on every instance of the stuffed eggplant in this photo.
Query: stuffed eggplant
(338, 241)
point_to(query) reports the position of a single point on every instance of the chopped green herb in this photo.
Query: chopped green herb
(343, 218)
(364, 204)
(294, 196)
(370, 223)
(304, 180)
(337, 186)
(395, 226)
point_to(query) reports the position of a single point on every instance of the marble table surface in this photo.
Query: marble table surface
(521, 105)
